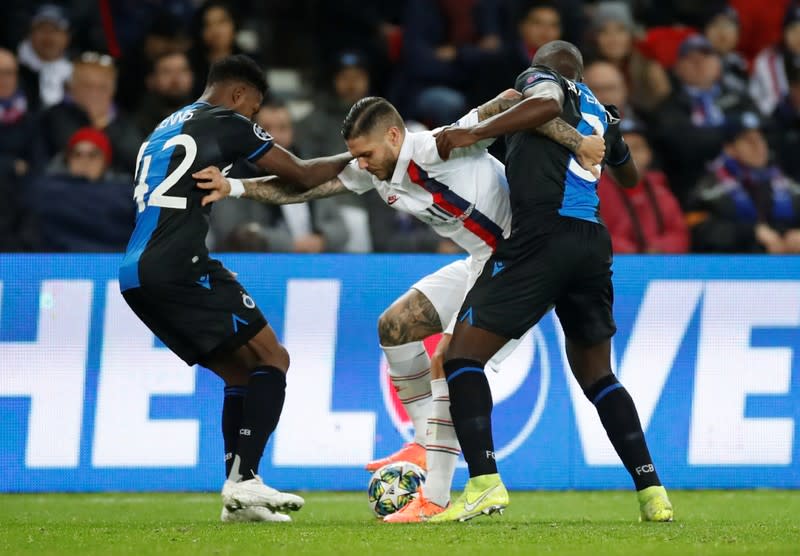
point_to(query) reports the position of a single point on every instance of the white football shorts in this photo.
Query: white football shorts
(446, 289)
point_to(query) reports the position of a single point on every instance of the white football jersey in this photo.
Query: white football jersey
(464, 198)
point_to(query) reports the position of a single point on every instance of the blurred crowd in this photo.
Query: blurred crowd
(709, 92)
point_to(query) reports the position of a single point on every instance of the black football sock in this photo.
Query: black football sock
(471, 409)
(232, 413)
(263, 404)
(619, 417)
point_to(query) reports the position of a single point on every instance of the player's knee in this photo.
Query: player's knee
(389, 328)
(282, 359)
(437, 366)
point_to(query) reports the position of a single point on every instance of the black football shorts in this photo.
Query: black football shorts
(201, 316)
(568, 267)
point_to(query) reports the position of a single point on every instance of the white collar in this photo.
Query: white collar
(406, 152)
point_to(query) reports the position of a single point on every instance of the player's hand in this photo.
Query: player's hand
(791, 241)
(452, 138)
(211, 179)
(591, 152)
(510, 94)
(313, 243)
(770, 239)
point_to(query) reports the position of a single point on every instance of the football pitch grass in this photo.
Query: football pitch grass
(735, 522)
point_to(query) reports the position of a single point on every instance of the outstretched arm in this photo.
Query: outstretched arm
(266, 189)
(304, 173)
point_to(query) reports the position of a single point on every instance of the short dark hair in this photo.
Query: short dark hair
(366, 114)
(561, 56)
(524, 8)
(154, 63)
(238, 68)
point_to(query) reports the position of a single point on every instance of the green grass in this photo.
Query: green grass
(341, 523)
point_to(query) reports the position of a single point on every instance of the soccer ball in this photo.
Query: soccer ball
(393, 486)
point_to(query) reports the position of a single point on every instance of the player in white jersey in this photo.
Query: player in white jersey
(465, 199)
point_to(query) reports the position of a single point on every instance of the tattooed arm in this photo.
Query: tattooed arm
(556, 129)
(266, 189)
(272, 190)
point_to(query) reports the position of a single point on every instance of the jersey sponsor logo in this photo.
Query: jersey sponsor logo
(248, 301)
(497, 268)
(261, 133)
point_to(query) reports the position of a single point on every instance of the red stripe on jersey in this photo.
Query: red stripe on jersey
(440, 192)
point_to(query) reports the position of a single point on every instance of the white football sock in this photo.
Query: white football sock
(410, 371)
(442, 447)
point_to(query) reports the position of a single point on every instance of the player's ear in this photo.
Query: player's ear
(395, 137)
(237, 94)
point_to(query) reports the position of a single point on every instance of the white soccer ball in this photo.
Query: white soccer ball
(393, 486)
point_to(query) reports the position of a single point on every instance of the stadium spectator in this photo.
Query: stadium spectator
(311, 227)
(169, 87)
(646, 218)
(608, 84)
(16, 122)
(373, 28)
(784, 127)
(90, 103)
(93, 210)
(759, 24)
(745, 204)
(688, 125)
(722, 31)
(214, 38)
(166, 34)
(44, 67)
(691, 13)
(612, 33)
(768, 83)
(446, 46)
(17, 231)
(539, 22)
(320, 133)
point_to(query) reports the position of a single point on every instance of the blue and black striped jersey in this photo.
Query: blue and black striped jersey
(171, 226)
(545, 179)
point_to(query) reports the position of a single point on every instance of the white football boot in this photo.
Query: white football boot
(254, 492)
(252, 514)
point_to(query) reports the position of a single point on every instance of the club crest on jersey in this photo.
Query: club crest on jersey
(392, 199)
(261, 132)
(247, 301)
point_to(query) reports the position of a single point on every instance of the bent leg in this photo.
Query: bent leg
(261, 365)
(401, 328)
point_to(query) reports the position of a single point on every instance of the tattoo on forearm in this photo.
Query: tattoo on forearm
(271, 190)
(411, 319)
(495, 107)
(562, 133)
